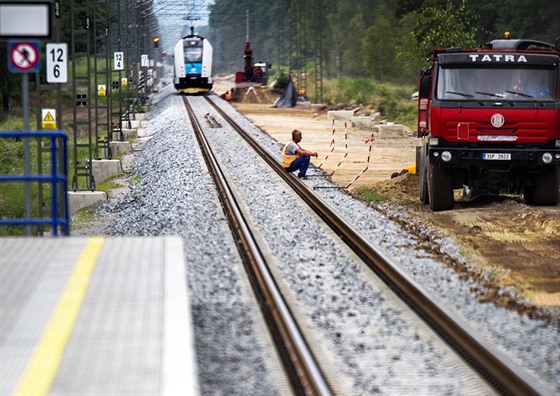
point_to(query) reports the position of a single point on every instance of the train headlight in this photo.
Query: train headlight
(557, 142)
(446, 156)
(433, 141)
(547, 158)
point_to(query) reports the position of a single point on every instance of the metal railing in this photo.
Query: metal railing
(59, 213)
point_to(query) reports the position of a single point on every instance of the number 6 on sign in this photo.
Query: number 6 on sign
(57, 63)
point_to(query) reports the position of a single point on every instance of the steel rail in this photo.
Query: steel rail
(303, 371)
(505, 376)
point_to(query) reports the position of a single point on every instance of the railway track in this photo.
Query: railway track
(304, 373)
(504, 376)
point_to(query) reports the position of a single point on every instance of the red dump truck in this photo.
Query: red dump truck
(489, 120)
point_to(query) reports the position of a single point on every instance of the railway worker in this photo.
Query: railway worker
(294, 157)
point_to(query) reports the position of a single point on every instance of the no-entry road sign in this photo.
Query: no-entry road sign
(23, 56)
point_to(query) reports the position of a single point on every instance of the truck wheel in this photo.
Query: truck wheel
(546, 189)
(423, 177)
(440, 188)
(529, 194)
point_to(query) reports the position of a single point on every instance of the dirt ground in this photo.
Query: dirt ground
(510, 243)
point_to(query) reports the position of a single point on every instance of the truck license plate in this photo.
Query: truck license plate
(496, 156)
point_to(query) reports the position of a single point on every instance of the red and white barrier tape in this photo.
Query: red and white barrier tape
(370, 141)
(345, 148)
(331, 145)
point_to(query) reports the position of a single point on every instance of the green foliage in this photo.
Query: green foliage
(281, 81)
(12, 194)
(398, 110)
(380, 39)
(11, 152)
(346, 89)
(379, 51)
(391, 100)
(440, 27)
(351, 62)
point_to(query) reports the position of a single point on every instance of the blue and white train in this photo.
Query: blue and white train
(193, 64)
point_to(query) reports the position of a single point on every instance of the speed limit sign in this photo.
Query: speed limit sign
(57, 63)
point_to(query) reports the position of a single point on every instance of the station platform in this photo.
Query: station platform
(95, 316)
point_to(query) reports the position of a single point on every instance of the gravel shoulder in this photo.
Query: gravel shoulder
(509, 242)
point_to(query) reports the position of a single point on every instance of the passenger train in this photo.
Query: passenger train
(193, 64)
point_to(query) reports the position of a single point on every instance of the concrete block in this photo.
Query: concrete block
(390, 131)
(105, 169)
(135, 124)
(315, 107)
(303, 105)
(81, 199)
(128, 134)
(119, 148)
(362, 122)
(342, 115)
(139, 116)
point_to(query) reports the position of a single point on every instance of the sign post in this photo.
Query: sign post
(23, 57)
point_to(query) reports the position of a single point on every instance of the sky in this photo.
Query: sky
(175, 18)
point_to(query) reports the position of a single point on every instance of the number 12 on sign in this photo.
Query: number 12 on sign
(57, 63)
(119, 60)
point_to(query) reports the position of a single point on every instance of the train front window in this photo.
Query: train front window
(193, 54)
(494, 83)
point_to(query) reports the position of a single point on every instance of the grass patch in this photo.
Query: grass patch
(15, 123)
(109, 185)
(135, 179)
(370, 195)
(82, 217)
(12, 194)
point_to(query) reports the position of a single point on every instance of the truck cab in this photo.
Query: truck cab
(489, 120)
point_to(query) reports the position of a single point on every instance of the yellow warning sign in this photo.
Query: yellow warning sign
(124, 82)
(101, 90)
(48, 117)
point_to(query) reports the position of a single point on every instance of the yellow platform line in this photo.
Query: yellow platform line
(44, 363)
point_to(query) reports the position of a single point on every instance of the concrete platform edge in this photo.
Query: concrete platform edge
(179, 371)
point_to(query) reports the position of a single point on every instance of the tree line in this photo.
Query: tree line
(380, 39)
(384, 40)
